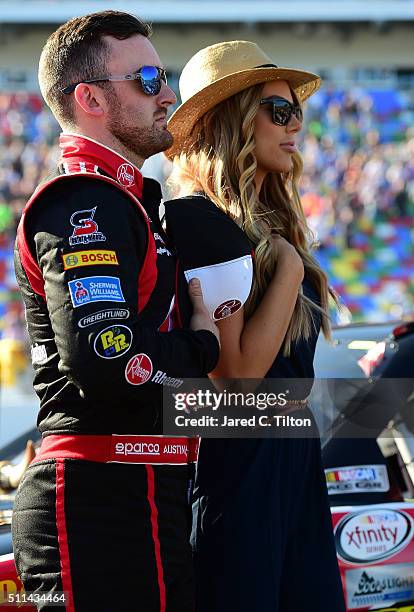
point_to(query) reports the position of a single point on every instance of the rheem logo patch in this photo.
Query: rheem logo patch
(138, 369)
(226, 309)
(126, 175)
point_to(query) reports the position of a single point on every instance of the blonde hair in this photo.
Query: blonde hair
(220, 162)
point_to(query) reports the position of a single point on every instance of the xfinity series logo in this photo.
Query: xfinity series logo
(125, 175)
(372, 535)
(86, 229)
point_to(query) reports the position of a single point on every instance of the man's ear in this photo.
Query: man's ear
(90, 99)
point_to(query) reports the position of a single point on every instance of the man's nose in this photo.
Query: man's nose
(166, 97)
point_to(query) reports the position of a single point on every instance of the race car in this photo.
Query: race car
(370, 488)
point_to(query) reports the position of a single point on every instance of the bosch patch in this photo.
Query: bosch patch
(89, 258)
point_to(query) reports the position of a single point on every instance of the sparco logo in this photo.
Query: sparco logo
(137, 448)
(372, 535)
(138, 369)
(226, 309)
(125, 175)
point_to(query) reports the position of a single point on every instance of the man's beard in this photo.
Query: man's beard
(141, 141)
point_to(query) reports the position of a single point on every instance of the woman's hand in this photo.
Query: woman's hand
(201, 319)
(287, 256)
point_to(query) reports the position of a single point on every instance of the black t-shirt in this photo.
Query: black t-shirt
(204, 236)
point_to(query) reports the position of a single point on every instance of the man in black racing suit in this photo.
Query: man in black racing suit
(101, 516)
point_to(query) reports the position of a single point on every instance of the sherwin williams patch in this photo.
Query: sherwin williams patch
(89, 258)
(95, 289)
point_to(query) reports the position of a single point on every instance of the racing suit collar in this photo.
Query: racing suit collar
(82, 154)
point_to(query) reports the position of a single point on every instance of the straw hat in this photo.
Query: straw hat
(220, 71)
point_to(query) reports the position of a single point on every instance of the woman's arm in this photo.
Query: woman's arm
(249, 348)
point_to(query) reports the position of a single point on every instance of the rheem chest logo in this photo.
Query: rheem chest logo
(85, 228)
(138, 369)
(125, 175)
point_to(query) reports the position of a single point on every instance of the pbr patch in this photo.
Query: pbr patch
(89, 258)
(226, 309)
(357, 479)
(103, 315)
(113, 341)
(138, 369)
(95, 289)
(85, 228)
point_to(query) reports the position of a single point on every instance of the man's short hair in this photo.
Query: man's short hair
(77, 50)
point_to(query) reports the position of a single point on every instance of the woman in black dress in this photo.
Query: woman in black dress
(262, 531)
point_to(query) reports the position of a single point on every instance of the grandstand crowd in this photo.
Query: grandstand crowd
(357, 187)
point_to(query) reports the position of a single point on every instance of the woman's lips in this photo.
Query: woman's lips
(288, 146)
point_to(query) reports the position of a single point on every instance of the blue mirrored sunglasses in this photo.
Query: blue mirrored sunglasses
(150, 78)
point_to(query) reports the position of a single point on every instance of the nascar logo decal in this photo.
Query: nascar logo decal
(86, 229)
(226, 309)
(95, 289)
(113, 341)
(357, 479)
(138, 369)
(372, 535)
(89, 258)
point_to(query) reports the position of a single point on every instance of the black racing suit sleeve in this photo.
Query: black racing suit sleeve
(121, 230)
